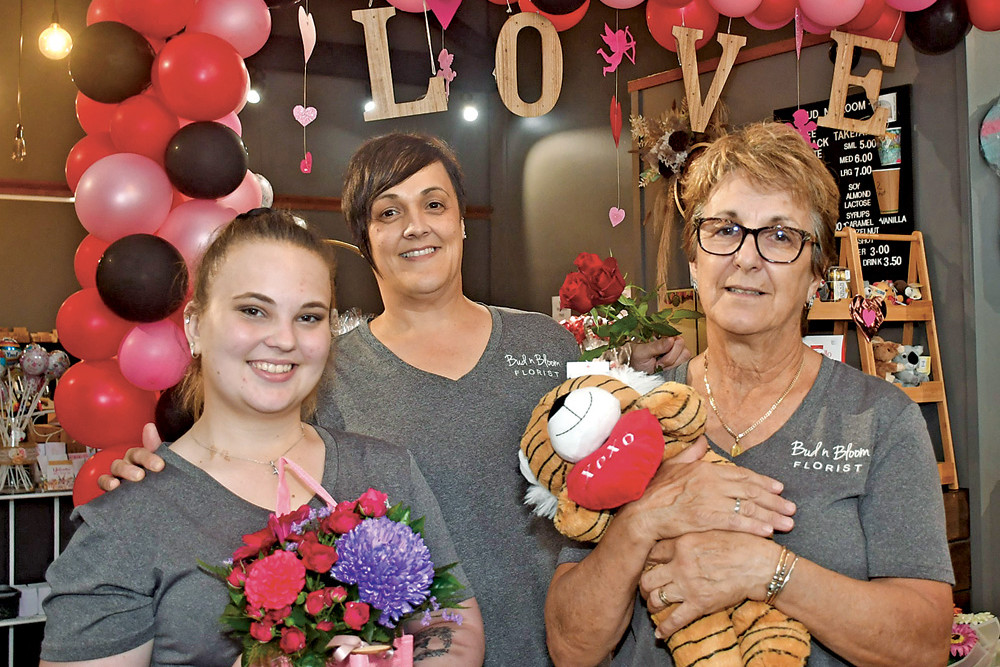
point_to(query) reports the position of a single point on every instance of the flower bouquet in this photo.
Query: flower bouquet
(316, 587)
(613, 313)
(975, 639)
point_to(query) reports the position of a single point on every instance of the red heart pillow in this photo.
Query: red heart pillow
(620, 469)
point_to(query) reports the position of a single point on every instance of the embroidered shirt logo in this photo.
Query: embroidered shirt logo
(533, 365)
(849, 458)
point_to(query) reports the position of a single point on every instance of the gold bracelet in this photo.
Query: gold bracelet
(782, 573)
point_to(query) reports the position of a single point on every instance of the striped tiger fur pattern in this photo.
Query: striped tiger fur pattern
(752, 634)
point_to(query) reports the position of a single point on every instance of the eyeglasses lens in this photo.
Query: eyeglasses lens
(724, 237)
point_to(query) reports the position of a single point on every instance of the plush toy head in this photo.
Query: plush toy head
(885, 350)
(909, 359)
(602, 467)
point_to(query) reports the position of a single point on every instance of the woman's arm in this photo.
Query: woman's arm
(877, 622)
(448, 643)
(140, 656)
(685, 495)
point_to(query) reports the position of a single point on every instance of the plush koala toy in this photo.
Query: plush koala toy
(593, 444)
(909, 359)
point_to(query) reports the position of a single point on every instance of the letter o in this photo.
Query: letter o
(506, 65)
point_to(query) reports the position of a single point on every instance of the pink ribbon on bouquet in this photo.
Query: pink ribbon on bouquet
(283, 505)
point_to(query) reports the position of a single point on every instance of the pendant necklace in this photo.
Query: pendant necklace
(274, 466)
(737, 449)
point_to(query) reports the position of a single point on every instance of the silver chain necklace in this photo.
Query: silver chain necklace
(737, 449)
(274, 466)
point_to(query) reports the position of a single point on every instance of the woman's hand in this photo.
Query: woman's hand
(137, 460)
(659, 354)
(690, 495)
(706, 572)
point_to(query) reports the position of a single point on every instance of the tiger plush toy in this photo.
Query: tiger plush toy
(641, 431)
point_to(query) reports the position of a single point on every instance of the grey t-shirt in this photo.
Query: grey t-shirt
(130, 574)
(857, 461)
(464, 434)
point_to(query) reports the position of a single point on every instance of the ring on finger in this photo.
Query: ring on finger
(736, 508)
(662, 595)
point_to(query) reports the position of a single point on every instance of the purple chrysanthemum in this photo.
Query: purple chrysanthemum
(390, 564)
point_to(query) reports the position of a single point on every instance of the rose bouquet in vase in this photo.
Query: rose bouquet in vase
(334, 586)
(612, 314)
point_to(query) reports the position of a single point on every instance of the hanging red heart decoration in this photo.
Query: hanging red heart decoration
(616, 119)
(868, 314)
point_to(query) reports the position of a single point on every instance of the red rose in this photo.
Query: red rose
(607, 282)
(254, 543)
(292, 640)
(237, 577)
(372, 503)
(317, 557)
(325, 626)
(261, 631)
(278, 615)
(341, 521)
(281, 526)
(576, 293)
(275, 581)
(316, 602)
(356, 615)
(336, 594)
(346, 505)
(588, 263)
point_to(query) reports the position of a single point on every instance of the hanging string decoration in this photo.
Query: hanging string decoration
(303, 113)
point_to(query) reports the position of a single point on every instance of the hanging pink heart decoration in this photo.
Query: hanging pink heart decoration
(306, 165)
(444, 10)
(616, 120)
(616, 215)
(308, 29)
(868, 314)
(304, 115)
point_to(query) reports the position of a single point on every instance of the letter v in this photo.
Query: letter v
(731, 44)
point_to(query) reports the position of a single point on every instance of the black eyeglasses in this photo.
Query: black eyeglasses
(777, 244)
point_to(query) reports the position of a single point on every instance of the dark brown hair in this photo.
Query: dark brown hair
(384, 162)
(774, 157)
(260, 224)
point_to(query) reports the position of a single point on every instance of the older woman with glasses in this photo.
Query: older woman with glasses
(859, 553)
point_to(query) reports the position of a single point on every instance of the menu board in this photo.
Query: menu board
(874, 174)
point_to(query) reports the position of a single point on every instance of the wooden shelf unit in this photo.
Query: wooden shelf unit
(917, 313)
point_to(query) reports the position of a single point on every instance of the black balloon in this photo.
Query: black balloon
(274, 4)
(172, 419)
(939, 28)
(206, 160)
(142, 278)
(558, 6)
(110, 62)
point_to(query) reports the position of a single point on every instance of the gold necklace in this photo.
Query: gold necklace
(737, 450)
(227, 456)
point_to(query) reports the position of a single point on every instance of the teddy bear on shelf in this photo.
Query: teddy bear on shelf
(885, 352)
(593, 444)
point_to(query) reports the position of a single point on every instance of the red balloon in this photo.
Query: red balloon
(143, 125)
(155, 18)
(88, 254)
(559, 21)
(87, 328)
(889, 26)
(984, 14)
(99, 407)
(86, 152)
(866, 18)
(661, 18)
(85, 487)
(102, 10)
(777, 12)
(201, 76)
(94, 117)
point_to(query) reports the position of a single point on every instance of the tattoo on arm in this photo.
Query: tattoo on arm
(432, 643)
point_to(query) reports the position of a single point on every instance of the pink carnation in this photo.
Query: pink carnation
(275, 581)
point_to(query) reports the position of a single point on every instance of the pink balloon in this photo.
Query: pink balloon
(189, 227)
(413, 6)
(153, 356)
(246, 24)
(245, 197)
(826, 13)
(866, 18)
(123, 194)
(812, 27)
(889, 26)
(230, 120)
(617, 4)
(909, 5)
(773, 13)
(661, 17)
(735, 8)
(767, 25)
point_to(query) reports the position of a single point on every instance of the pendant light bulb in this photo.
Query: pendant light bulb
(54, 42)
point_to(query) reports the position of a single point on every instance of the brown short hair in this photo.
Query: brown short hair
(775, 157)
(387, 161)
(261, 224)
